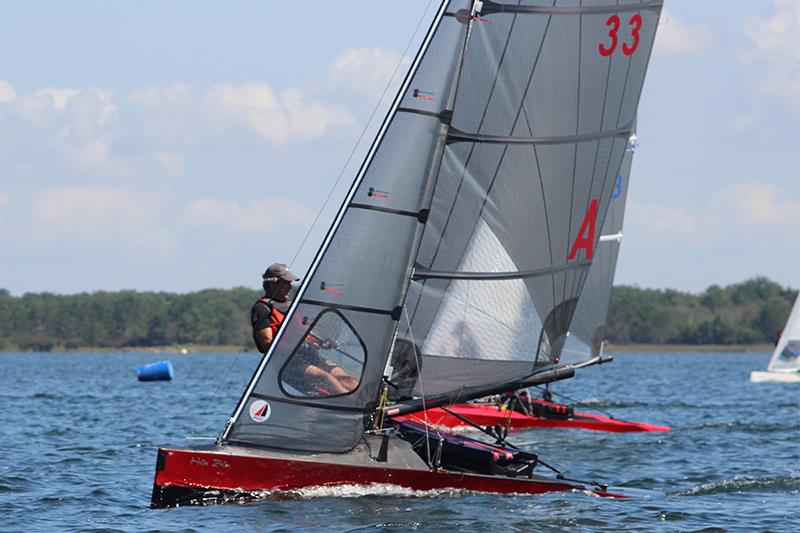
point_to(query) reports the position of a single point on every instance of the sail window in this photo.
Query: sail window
(328, 361)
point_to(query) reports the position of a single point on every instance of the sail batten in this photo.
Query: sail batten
(490, 7)
(423, 273)
(456, 135)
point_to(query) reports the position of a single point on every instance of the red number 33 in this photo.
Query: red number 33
(613, 24)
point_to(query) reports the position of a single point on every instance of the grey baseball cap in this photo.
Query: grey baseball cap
(279, 270)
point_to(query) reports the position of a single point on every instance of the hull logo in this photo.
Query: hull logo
(260, 411)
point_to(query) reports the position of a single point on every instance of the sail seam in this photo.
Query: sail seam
(424, 273)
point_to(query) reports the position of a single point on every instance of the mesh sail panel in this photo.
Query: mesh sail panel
(541, 120)
(588, 328)
(786, 357)
(348, 308)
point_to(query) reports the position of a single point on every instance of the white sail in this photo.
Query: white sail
(786, 357)
(785, 362)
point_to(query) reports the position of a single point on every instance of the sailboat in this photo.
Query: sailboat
(785, 363)
(588, 328)
(458, 256)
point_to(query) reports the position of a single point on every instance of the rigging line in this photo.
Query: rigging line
(224, 376)
(421, 386)
(361, 136)
(577, 144)
(469, 156)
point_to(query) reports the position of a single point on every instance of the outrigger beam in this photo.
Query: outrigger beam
(538, 378)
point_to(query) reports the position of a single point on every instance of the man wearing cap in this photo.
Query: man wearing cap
(268, 312)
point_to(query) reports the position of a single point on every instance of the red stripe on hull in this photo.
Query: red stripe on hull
(491, 415)
(209, 470)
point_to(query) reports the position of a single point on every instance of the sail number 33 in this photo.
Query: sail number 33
(613, 23)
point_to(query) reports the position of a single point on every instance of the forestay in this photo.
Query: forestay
(467, 235)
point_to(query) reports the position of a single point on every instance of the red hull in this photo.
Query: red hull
(491, 415)
(189, 476)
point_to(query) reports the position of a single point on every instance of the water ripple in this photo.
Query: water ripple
(744, 484)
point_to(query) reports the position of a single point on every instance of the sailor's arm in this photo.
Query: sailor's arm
(264, 337)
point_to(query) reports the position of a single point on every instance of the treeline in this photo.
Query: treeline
(125, 319)
(749, 312)
(754, 311)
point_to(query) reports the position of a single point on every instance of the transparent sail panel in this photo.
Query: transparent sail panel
(484, 319)
(786, 357)
(589, 325)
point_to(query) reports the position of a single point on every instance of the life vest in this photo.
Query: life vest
(276, 317)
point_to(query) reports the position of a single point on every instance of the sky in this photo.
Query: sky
(176, 146)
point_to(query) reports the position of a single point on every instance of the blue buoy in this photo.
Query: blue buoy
(161, 371)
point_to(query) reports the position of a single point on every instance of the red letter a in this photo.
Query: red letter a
(585, 238)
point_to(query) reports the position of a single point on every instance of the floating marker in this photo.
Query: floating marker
(161, 371)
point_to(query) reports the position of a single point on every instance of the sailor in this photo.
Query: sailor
(268, 312)
(307, 368)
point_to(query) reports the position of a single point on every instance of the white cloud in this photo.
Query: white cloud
(99, 215)
(7, 92)
(260, 215)
(3, 200)
(740, 208)
(366, 70)
(182, 114)
(677, 37)
(84, 127)
(753, 205)
(774, 51)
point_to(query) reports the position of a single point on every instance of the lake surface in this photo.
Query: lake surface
(81, 436)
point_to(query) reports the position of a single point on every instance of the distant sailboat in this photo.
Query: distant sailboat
(458, 257)
(785, 363)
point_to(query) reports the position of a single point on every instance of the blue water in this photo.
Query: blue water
(80, 436)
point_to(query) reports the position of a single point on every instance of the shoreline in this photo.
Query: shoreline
(229, 349)
(732, 348)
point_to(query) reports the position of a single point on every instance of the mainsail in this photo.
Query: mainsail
(786, 357)
(468, 233)
(590, 324)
